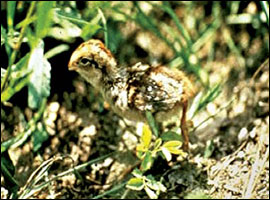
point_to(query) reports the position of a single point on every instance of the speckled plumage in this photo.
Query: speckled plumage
(132, 90)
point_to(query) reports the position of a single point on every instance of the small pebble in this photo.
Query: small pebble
(71, 118)
(54, 107)
(243, 134)
(89, 131)
(252, 133)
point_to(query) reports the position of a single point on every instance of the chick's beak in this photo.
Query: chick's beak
(72, 66)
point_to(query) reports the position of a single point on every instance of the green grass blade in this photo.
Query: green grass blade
(11, 7)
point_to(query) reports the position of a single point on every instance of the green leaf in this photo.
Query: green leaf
(166, 153)
(135, 184)
(146, 136)
(174, 147)
(4, 40)
(19, 78)
(39, 85)
(141, 148)
(150, 193)
(69, 25)
(140, 154)
(21, 65)
(147, 161)
(39, 136)
(11, 7)
(177, 151)
(14, 88)
(172, 144)
(170, 135)
(62, 16)
(89, 30)
(152, 123)
(56, 50)
(152, 184)
(44, 18)
(137, 173)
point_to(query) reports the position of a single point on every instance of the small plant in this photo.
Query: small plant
(148, 183)
(147, 151)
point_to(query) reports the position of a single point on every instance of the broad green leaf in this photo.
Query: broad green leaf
(174, 147)
(147, 161)
(39, 85)
(137, 173)
(146, 136)
(44, 18)
(141, 147)
(135, 184)
(170, 135)
(153, 184)
(62, 16)
(140, 154)
(91, 28)
(150, 193)
(166, 153)
(172, 144)
(177, 151)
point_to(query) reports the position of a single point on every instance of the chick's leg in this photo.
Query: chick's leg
(184, 127)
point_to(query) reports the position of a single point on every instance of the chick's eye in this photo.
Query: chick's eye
(88, 62)
(85, 61)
